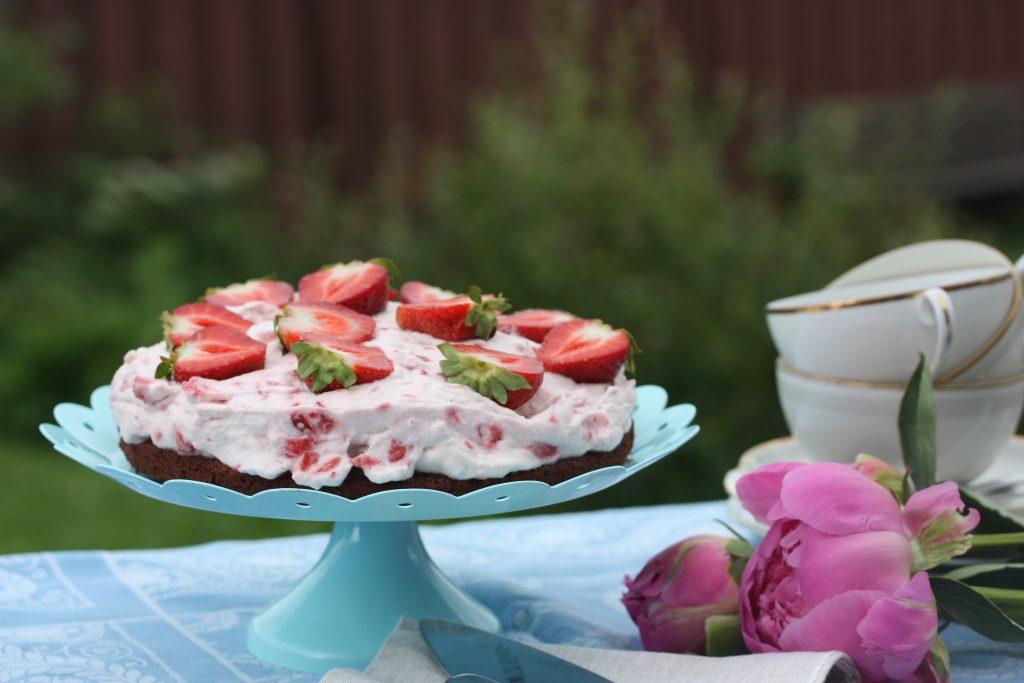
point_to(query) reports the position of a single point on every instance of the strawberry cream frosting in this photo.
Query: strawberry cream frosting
(268, 422)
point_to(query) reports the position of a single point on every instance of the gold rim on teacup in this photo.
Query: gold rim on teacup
(839, 304)
(987, 384)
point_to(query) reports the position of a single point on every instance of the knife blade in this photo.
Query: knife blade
(462, 649)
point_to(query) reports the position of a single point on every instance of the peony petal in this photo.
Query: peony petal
(836, 499)
(652, 578)
(928, 504)
(752, 587)
(702, 576)
(939, 530)
(902, 628)
(832, 625)
(759, 490)
(830, 565)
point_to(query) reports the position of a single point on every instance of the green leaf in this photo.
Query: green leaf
(939, 657)
(917, 426)
(975, 611)
(995, 575)
(724, 636)
(994, 518)
(740, 553)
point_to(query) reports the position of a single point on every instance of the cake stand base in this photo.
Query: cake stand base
(338, 615)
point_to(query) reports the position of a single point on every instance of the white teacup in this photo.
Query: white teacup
(1002, 355)
(835, 420)
(873, 331)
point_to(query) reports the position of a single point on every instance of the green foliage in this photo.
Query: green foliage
(30, 78)
(609, 196)
(917, 427)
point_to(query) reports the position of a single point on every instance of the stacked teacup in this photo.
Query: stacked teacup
(847, 351)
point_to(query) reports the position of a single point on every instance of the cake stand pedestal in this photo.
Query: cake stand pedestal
(375, 568)
(338, 615)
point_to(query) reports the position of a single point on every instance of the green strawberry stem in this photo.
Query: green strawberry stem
(634, 349)
(324, 365)
(483, 315)
(387, 264)
(486, 379)
(165, 370)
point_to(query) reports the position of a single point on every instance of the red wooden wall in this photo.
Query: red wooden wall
(279, 70)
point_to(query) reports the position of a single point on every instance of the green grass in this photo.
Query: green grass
(49, 502)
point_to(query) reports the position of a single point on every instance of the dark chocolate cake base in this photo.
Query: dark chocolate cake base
(162, 464)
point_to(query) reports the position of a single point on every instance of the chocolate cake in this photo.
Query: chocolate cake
(162, 465)
(338, 387)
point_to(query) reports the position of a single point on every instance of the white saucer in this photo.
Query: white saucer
(1006, 470)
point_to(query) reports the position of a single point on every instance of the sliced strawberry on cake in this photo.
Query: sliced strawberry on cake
(184, 321)
(587, 351)
(214, 353)
(300, 318)
(416, 292)
(360, 285)
(464, 317)
(505, 378)
(327, 364)
(533, 323)
(274, 292)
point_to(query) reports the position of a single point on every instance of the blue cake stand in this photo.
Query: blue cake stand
(375, 568)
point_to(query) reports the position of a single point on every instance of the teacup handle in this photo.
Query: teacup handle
(937, 306)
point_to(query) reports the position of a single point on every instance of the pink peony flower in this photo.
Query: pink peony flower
(842, 565)
(677, 590)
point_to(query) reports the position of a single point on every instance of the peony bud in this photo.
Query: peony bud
(880, 472)
(676, 592)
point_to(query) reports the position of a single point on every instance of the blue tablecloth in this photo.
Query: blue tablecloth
(181, 614)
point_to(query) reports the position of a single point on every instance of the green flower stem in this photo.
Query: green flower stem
(997, 540)
(1009, 600)
(1002, 596)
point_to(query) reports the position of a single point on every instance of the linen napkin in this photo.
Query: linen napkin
(405, 657)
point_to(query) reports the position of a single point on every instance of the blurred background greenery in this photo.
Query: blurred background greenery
(629, 193)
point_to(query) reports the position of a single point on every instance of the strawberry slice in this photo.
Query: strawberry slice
(533, 323)
(505, 378)
(416, 292)
(214, 353)
(463, 317)
(587, 351)
(184, 321)
(327, 364)
(360, 285)
(301, 318)
(273, 292)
